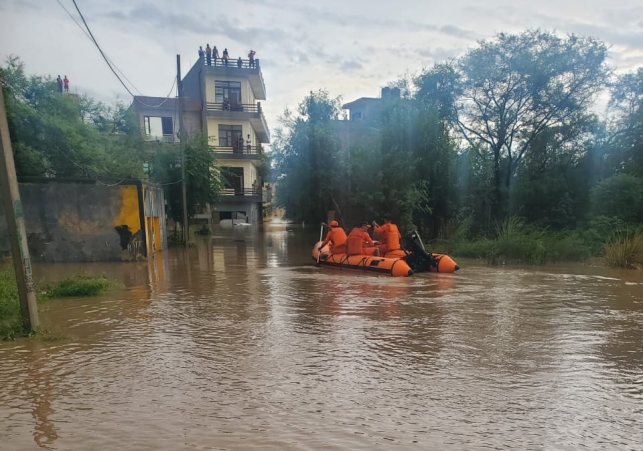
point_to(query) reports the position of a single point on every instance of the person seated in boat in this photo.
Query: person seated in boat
(337, 239)
(390, 236)
(355, 243)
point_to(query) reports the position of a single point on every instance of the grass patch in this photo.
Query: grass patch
(10, 320)
(514, 241)
(77, 286)
(625, 251)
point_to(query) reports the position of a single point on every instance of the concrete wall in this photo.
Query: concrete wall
(83, 222)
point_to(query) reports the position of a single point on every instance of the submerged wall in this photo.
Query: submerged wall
(84, 222)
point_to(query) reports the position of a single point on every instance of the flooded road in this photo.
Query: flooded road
(241, 344)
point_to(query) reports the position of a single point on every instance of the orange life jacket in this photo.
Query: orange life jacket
(336, 236)
(355, 241)
(393, 237)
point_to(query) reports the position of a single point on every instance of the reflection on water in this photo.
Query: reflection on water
(240, 343)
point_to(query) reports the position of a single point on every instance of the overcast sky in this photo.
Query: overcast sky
(349, 47)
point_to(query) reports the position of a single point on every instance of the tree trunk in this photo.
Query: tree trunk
(497, 206)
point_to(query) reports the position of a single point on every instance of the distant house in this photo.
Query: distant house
(364, 118)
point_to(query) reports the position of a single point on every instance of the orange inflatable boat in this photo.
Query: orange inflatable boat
(391, 266)
(412, 258)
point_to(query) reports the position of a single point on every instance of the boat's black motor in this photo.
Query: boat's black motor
(418, 259)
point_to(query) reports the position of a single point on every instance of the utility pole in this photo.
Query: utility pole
(16, 225)
(179, 84)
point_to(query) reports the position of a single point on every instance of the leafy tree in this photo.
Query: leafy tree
(626, 106)
(204, 179)
(619, 196)
(62, 136)
(513, 89)
(307, 156)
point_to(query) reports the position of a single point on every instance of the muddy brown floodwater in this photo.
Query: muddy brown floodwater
(242, 344)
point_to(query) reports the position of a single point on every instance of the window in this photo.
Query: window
(356, 115)
(227, 90)
(231, 136)
(156, 126)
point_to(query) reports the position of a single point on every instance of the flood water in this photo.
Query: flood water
(242, 344)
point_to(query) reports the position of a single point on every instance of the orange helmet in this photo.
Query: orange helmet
(334, 224)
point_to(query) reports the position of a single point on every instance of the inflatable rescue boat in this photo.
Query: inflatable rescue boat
(412, 258)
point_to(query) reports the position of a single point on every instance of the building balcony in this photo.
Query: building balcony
(163, 139)
(236, 69)
(241, 195)
(238, 153)
(242, 112)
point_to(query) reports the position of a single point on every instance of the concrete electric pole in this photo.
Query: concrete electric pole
(16, 225)
(182, 137)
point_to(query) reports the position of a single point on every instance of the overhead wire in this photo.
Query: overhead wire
(90, 38)
(109, 62)
(100, 50)
(113, 68)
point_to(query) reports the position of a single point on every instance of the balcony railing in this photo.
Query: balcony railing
(241, 150)
(245, 68)
(227, 106)
(243, 64)
(246, 193)
(164, 138)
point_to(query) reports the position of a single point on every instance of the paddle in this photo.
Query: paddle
(321, 237)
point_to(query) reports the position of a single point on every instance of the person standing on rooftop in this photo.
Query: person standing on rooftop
(251, 58)
(201, 52)
(208, 54)
(225, 56)
(215, 54)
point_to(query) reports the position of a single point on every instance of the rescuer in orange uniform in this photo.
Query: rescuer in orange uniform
(390, 236)
(337, 239)
(357, 238)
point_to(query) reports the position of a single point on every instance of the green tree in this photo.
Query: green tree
(513, 89)
(619, 196)
(204, 178)
(307, 159)
(626, 107)
(58, 135)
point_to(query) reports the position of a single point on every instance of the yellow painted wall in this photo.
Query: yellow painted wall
(129, 213)
(246, 91)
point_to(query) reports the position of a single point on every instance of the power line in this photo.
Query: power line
(109, 62)
(101, 50)
(90, 38)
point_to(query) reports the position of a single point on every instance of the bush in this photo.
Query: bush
(482, 248)
(567, 247)
(203, 230)
(619, 196)
(625, 251)
(80, 285)
(517, 242)
(10, 321)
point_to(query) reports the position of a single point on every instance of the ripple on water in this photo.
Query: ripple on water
(290, 358)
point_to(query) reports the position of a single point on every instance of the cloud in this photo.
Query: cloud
(439, 53)
(350, 65)
(156, 19)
